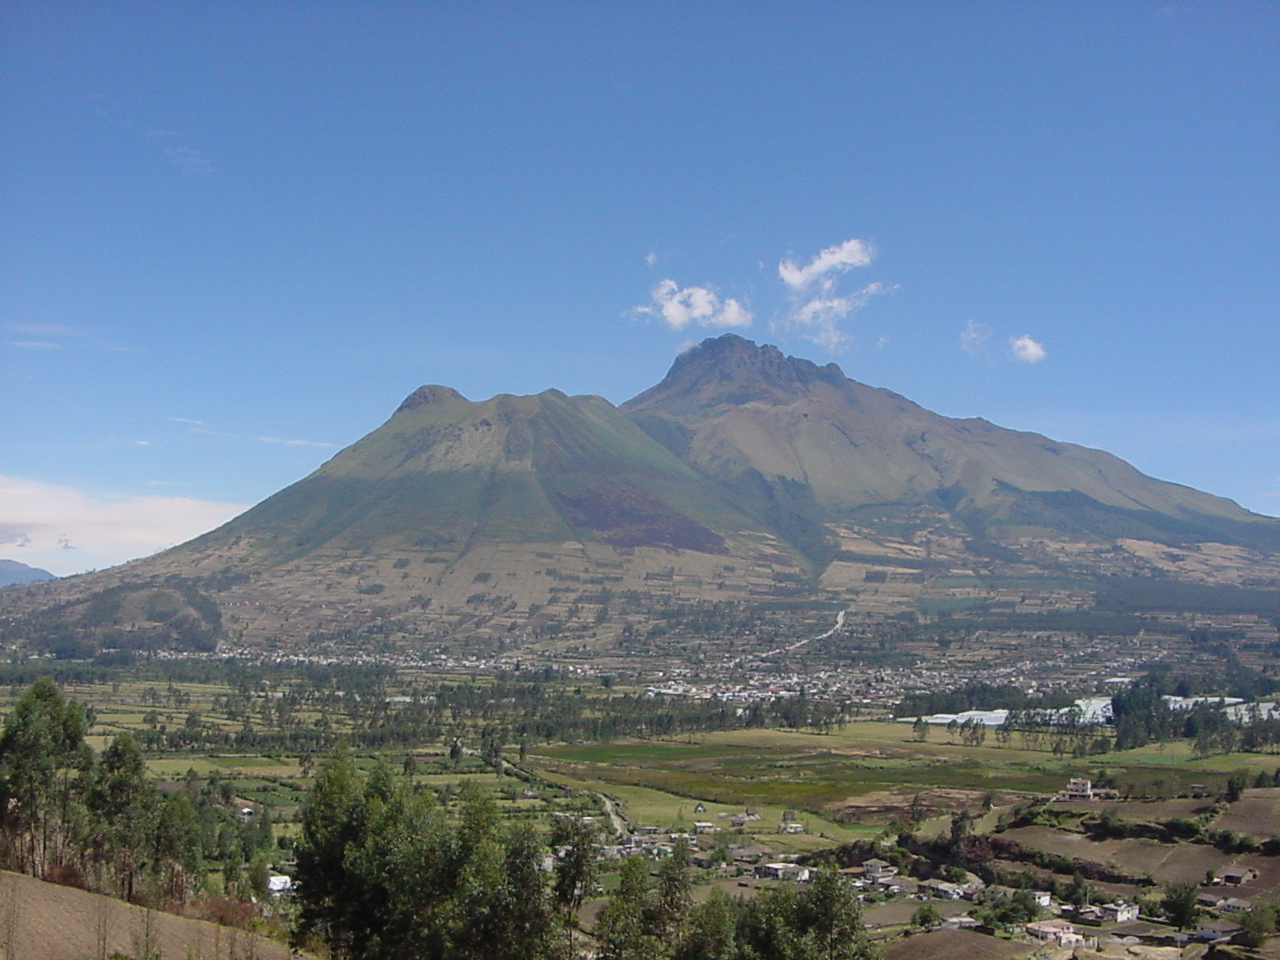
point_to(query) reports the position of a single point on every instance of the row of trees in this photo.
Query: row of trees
(70, 814)
(384, 871)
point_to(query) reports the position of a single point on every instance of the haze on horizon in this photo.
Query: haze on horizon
(235, 237)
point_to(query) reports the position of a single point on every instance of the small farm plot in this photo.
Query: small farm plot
(1256, 814)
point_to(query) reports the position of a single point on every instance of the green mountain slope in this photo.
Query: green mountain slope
(802, 445)
(447, 473)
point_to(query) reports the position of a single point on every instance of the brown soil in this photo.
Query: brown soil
(955, 945)
(43, 921)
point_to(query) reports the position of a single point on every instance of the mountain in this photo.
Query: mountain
(12, 572)
(804, 447)
(745, 480)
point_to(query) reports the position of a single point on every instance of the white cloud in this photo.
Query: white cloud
(818, 318)
(680, 306)
(1027, 350)
(295, 443)
(66, 531)
(973, 337)
(836, 259)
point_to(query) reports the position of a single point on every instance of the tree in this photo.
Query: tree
(711, 931)
(831, 916)
(926, 917)
(673, 895)
(920, 729)
(1259, 924)
(1179, 905)
(42, 744)
(575, 870)
(332, 821)
(621, 932)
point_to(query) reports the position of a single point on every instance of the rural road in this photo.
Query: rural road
(799, 643)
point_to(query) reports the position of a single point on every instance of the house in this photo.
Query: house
(962, 922)
(781, 871)
(279, 883)
(792, 827)
(874, 869)
(1217, 929)
(1237, 874)
(1119, 912)
(1078, 788)
(942, 889)
(753, 813)
(1235, 903)
(1059, 931)
(700, 807)
(788, 816)
(703, 826)
(751, 854)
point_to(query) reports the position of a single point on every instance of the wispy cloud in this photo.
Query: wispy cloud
(680, 306)
(294, 443)
(833, 260)
(1027, 350)
(196, 426)
(974, 337)
(817, 310)
(55, 336)
(67, 531)
(183, 156)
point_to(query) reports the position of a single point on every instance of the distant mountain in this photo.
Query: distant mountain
(12, 572)
(744, 478)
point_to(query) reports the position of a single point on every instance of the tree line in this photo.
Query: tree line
(385, 872)
(97, 820)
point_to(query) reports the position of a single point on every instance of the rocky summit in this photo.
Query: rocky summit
(744, 478)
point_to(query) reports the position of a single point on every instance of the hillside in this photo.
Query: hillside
(743, 479)
(39, 919)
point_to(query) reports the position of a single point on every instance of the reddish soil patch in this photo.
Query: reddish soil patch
(632, 517)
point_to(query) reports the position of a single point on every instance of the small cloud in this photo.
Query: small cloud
(294, 443)
(1027, 350)
(833, 260)
(680, 306)
(651, 259)
(197, 423)
(142, 443)
(974, 337)
(34, 344)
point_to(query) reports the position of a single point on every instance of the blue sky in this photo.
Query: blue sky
(234, 235)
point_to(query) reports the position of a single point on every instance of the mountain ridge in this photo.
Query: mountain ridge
(744, 477)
